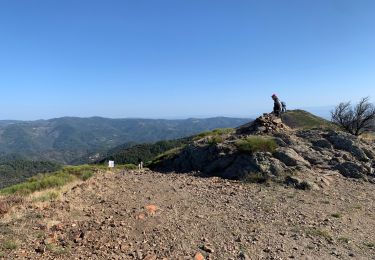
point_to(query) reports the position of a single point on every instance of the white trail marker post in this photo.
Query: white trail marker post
(111, 164)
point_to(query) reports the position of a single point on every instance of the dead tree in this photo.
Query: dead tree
(357, 119)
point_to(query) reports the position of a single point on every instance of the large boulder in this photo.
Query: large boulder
(301, 184)
(322, 143)
(241, 166)
(352, 170)
(267, 164)
(290, 157)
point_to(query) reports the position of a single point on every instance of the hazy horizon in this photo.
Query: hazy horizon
(323, 112)
(179, 59)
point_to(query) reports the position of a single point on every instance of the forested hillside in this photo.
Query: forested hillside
(68, 139)
(15, 169)
(145, 152)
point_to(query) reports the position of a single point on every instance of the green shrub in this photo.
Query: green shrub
(336, 215)
(215, 140)
(254, 144)
(11, 245)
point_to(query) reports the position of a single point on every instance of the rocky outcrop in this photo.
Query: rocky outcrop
(347, 143)
(352, 170)
(266, 124)
(298, 151)
(290, 157)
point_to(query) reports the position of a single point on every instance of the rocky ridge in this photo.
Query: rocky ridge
(305, 153)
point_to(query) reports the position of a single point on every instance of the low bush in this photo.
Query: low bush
(254, 144)
(10, 245)
(215, 140)
(51, 180)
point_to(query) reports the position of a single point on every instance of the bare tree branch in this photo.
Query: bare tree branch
(355, 120)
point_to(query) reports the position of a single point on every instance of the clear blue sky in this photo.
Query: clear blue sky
(181, 58)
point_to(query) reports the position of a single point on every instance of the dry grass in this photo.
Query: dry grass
(319, 233)
(40, 199)
(7, 202)
(368, 136)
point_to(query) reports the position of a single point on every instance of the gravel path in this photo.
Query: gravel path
(149, 215)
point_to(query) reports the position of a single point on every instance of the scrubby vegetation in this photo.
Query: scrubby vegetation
(9, 201)
(254, 144)
(166, 155)
(145, 152)
(305, 120)
(51, 180)
(51, 195)
(15, 169)
(155, 151)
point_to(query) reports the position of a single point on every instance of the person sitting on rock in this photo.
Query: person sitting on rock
(276, 105)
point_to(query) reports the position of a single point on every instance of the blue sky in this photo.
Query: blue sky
(182, 58)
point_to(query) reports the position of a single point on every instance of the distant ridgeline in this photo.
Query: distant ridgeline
(130, 153)
(69, 140)
(15, 169)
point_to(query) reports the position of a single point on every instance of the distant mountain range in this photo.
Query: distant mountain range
(69, 138)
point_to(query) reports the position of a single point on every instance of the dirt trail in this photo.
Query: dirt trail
(148, 215)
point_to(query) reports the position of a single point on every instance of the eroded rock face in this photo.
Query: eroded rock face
(301, 151)
(347, 143)
(322, 143)
(352, 170)
(290, 157)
